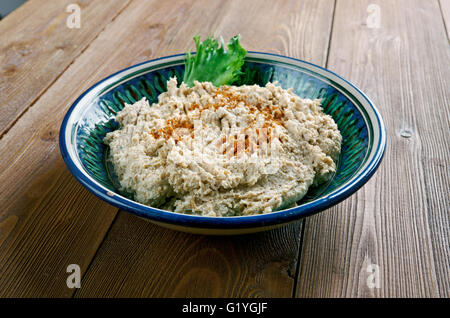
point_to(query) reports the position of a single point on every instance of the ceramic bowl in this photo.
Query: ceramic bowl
(92, 116)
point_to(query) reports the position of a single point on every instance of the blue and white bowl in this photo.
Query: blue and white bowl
(92, 116)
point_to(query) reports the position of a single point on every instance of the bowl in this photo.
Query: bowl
(92, 115)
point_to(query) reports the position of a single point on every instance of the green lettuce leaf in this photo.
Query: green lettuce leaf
(213, 64)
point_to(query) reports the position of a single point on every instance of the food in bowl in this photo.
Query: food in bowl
(223, 151)
(93, 115)
(210, 148)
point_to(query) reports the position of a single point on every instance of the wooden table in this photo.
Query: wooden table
(396, 226)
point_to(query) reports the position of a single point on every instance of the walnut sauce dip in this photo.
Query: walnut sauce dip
(224, 151)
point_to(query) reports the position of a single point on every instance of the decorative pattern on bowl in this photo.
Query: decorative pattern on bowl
(92, 117)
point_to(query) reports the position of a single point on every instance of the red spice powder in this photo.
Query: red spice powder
(223, 97)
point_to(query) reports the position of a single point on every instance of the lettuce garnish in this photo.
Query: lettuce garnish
(213, 64)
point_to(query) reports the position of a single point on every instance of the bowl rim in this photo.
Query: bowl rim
(231, 222)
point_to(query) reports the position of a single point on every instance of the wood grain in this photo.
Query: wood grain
(42, 233)
(399, 219)
(36, 46)
(139, 259)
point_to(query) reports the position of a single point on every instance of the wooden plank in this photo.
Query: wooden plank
(399, 220)
(139, 259)
(445, 9)
(53, 222)
(36, 46)
(47, 220)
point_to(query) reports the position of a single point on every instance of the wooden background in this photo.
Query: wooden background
(399, 220)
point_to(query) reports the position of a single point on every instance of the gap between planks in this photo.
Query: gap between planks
(444, 6)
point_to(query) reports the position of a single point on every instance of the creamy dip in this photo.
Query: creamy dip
(223, 151)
